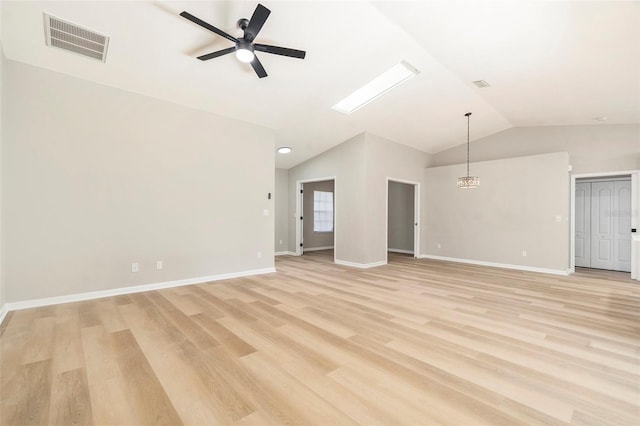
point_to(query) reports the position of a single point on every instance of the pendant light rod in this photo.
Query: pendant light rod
(468, 115)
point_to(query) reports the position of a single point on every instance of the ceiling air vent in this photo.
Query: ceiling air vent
(480, 84)
(74, 38)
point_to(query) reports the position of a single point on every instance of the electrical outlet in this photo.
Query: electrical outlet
(259, 255)
(524, 253)
(135, 267)
(280, 242)
(439, 245)
(159, 264)
(265, 212)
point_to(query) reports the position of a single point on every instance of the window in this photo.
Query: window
(322, 211)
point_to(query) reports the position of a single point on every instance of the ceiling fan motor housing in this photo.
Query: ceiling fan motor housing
(242, 44)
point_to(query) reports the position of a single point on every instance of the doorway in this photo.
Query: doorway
(603, 223)
(316, 215)
(403, 212)
(627, 229)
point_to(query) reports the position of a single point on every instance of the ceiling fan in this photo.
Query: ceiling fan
(244, 46)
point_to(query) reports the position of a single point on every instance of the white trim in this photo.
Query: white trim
(78, 297)
(497, 265)
(416, 217)
(625, 178)
(635, 223)
(635, 209)
(317, 248)
(299, 208)
(284, 253)
(605, 174)
(572, 225)
(360, 265)
(394, 250)
(4, 310)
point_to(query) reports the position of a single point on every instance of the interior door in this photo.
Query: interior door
(583, 224)
(602, 225)
(622, 226)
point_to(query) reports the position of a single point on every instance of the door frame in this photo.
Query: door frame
(416, 216)
(299, 213)
(635, 220)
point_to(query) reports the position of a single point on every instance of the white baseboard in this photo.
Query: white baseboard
(563, 272)
(360, 265)
(285, 253)
(3, 312)
(317, 248)
(34, 303)
(400, 251)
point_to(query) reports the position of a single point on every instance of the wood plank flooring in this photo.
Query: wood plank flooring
(417, 342)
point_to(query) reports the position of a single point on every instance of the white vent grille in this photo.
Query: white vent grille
(74, 38)
(481, 84)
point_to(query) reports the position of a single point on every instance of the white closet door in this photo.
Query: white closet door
(602, 231)
(583, 224)
(621, 213)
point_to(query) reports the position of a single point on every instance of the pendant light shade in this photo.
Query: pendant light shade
(468, 182)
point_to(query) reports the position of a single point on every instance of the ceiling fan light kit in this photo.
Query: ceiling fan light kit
(244, 52)
(245, 47)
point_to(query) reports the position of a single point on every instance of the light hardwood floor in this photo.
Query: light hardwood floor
(415, 342)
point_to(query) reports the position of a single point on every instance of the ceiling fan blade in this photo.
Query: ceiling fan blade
(216, 54)
(276, 50)
(258, 68)
(208, 26)
(258, 19)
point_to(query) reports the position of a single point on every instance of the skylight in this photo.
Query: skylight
(380, 85)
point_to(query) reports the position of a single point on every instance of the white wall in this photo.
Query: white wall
(514, 209)
(400, 222)
(592, 149)
(281, 203)
(310, 238)
(95, 178)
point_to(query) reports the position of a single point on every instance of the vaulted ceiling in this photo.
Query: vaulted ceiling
(548, 63)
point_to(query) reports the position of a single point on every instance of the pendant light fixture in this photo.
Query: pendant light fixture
(468, 182)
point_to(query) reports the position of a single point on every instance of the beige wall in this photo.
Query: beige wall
(514, 209)
(345, 162)
(386, 159)
(312, 239)
(364, 163)
(2, 84)
(281, 203)
(361, 166)
(95, 178)
(400, 222)
(592, 149)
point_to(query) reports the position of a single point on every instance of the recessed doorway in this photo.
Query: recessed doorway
(603, 223)
(604, 226)
(403, 212)
(315, 215)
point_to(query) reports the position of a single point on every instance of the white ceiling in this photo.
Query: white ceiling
(549, 63)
